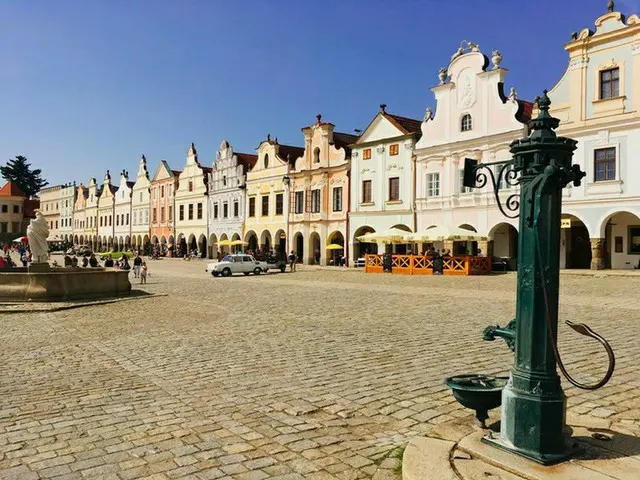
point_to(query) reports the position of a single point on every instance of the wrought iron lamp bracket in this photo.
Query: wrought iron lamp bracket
(477, 175)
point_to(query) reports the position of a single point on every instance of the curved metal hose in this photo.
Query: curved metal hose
(581, 328)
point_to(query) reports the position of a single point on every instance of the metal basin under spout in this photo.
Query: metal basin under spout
(478, 392)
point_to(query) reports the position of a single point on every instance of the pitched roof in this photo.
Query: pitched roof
(248, 160)
(130, 184)
(176, 173)
(10, 189)
(290, 151)
(407, 125)
(343, 139)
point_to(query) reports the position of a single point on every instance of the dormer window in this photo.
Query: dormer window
(466, 123)
(316, 155)
(266, 160)
(609, 83)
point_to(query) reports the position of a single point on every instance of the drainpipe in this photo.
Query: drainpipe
(413, 204)
(347, 239)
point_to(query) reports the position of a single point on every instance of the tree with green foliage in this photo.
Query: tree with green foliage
(19, 171)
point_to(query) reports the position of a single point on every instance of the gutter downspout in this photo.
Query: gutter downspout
(347, 239)
(413, 203)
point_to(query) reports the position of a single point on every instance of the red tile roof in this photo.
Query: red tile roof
(292, 152)
(408, 125)
(248, 160)
(10, 189)
(343, 139)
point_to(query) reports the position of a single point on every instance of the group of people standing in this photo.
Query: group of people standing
(140, 269)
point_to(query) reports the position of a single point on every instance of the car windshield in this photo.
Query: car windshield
(227, 258)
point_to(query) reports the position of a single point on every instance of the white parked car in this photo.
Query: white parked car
(237, 263)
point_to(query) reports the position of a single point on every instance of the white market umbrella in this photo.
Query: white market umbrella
(439, 234)
(391, 235)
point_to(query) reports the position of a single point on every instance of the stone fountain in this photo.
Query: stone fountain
(40, 282)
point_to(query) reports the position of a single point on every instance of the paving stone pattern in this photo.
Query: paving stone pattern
(317, 374)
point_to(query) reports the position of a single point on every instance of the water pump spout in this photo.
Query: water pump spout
(508, 333)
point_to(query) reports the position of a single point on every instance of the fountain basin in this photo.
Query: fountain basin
(478, 392)
(55, 284)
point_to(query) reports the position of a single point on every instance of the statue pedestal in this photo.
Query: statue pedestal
(39, 267)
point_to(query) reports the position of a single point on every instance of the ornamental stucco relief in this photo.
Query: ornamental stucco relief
(466, 89)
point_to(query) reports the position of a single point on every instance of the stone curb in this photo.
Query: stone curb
(78, 305)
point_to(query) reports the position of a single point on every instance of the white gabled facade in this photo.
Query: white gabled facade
(67, 203)
(140, 205)
(191, 204)
(122, 213)
(473, 119)
(598, 103)
(105, 220)
(227, 186)
(382, 179)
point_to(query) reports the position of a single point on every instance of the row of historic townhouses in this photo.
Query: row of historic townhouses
(67, 202)
(191, 202)
(122, 213)
(163, 189)
(319, 186)
(12, 210)
(50, 208)
(79, 216)
(382, 179)
(106, 220)
(598, 103)
(91, 215)
(267, 197)
(140, 200)
(473, 119)
(227, 184)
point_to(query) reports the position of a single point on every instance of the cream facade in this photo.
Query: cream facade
(475, 119)
(598, 103)
(50, 208)
(191, 205)
(67, 203)
(122, 213)
(227, 184)
(79, 216)
(105, 213)
(319, 186)
(267, 198)
(140, 205)
(382, 179)
(91, 214)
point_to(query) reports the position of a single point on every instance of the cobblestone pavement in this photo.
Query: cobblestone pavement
(317, 374)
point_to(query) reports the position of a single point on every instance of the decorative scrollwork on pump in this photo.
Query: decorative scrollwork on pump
(477, 175)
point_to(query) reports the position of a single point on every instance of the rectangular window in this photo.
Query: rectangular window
(366, 154)
(200, 211)
(161, 191)
(5, 208)
(100, 221)
(191, 186)
(279, 203)
(117, 220)
(299, 202)
(3, 227)
(337, 199)
(315, 201)
(225, 210)
(15, 227)
(433, 185)
(394, 149)
(16, 209)
(56, 224)
(236, 209)
(366, 191)
(215, 211)
(170, 213)
(394, 189)
(155, 215)
(162, 214)
(190, 211)
(609, 83)
(265, 205)
(252, 206)
(140, 197)
(181, 213)
(110, 220)
(461, 187)
(605, 164)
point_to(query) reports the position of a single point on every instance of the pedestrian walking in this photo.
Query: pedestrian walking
(137, 265)
(292, 261)
(143, 273)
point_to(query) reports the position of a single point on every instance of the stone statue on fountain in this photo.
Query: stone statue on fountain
(37, 233)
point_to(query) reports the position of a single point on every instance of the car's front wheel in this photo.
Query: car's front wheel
(215, 274)
(257, 271)
(226, 272)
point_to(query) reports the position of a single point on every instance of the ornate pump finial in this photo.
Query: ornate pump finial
(319, 117)
(611, 5)
(383, 107)
(544, 124)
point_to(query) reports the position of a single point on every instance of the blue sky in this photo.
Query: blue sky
(90, 85)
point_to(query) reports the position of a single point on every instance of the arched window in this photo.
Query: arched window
(316, 155)
(466, 123)
(266, 160)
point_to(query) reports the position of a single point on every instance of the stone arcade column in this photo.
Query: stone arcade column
(597, 254)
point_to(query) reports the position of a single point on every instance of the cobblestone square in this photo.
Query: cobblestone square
(318, 374)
